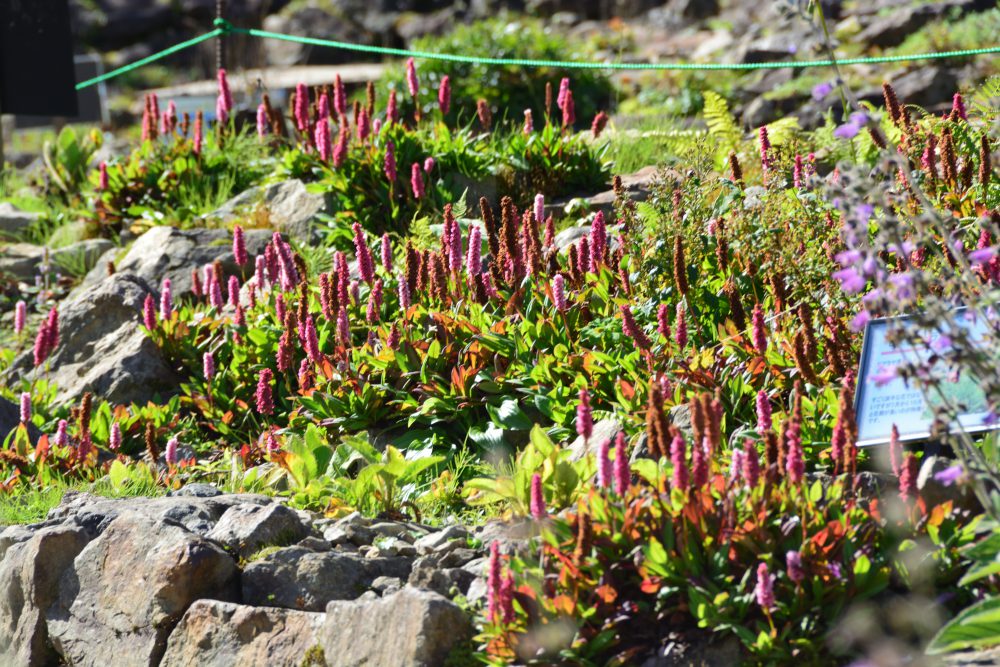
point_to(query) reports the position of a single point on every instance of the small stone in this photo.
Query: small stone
(449, 538)
(249, 528)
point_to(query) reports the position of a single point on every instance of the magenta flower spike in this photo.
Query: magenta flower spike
(260, 271)
(221, 114)
(171, 452)
(699, 463)
(412, 84)
(908, 473)
(507, 598)
(455, 248)
(389, 163)
(429, 163)
(208, 366)
(797, 172)
(103, 182)
(198, 138)
(166, 300)
(263, 127)
(604, 467)
(301, 107)
(444, 95)
(759, 331)
(529, 123)
(265, 396)
(584, 416)
(631, 329)
(366, 265)
(895, 451)
(598, 239)
(240, 246)
(417, 180)
(764, 590)
(25, 407)
(323, 143)
(563, 92)
(793, 560)
(225, 94)
(663, 321)
(537, 498)
(795, 464)
(364, 126)
(681, 332)
(20, 316)
(149, 312)
(323, 112)
(765, 150)
(386, 252)
(62, 438)
(958, 107)
(311, 340)
(493, 581)
(372, 313)
(343, 328)
(623, 476)
(215, 294)
(52, 327)
(678, 455)
(340, 150)
(233, 291)
(764, 423)
(115, 437)
(404, 293)
(377, 126)
(339, 96)
(559, 293)
(273, 446)
(569, 110)
(473, 257)
(391, 110)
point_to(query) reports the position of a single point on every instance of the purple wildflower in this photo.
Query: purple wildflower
(949, 475)
(366, 264)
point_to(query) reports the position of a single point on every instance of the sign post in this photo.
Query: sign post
(884, 399)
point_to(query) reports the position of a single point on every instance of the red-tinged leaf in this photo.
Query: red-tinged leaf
(628, 390)
(939, 513)
(606, 593)
(650, 585)
(564, 604)
(227, 418)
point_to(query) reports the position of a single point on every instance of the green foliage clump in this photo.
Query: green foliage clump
(512, 89)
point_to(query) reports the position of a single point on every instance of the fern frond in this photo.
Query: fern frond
(722, 127)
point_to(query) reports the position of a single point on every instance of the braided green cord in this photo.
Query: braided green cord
(148, 59)
(223, 27)
(576, 64)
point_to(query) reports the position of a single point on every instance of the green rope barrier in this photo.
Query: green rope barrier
(152, 58)
(576, 64)
(223, 27)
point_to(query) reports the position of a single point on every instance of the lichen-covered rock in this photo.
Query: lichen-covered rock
(414, 629)
(129, 587)
(223, 634)
(290, 208)
(166, 252)
(102, 348)
(299, 578)
(29, 583)
(249, 528)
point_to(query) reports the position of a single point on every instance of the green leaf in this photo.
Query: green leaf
(118, 474)
(509, 415)
(977, 626)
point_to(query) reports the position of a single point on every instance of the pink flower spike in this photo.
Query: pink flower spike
(273, 446)
(20, 316)
(429, 163)
(265, 397)
(103, 182)
(493, 581)
(529, 123)
(411, 78)
(764, 423)
(166, 300)
(623, 475)
(680, 325)
(25, 407)
(895, 451)
(793, 559)
(584, 416)
(62, 438)
(225, 94)
(540, 209)
(115, 437)
(764, 590)
(417, 180)
(604, 467)
(171, 452)
(234, 291)
(208, 366)
(343, 327)
(404, 293)
(678, 455)
(263, 127)
(559, 293)
(537, 498)
(663, 321)
(149, 312)
(366, 264)
(473, 258)
(240, 246)
(339, 96)
(389, 163)
(759, 332)
(507, 598)
(386, 251)
(444, 95)
(215, 294)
